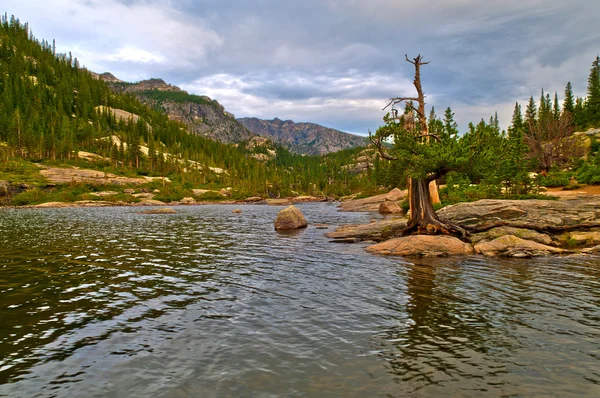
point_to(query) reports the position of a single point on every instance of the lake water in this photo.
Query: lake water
(106, 302)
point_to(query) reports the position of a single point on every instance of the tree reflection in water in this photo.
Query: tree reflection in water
(442, 332)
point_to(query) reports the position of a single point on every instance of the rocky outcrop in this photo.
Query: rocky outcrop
(422, 246)
(372, 203)
(512, 246)
(290, 218)
(59, 175)
(376, 231)
(388, 207)
(187, 201)
(550, 212)
(523, 233)
(278, 202)
(202, 115)
(519, 239)
(303, 138)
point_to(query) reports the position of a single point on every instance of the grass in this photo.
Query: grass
(21, 171)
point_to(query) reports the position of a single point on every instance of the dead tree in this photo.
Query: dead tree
(551, 142)
(422, 217)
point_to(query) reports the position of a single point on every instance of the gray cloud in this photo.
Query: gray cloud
(333, 62)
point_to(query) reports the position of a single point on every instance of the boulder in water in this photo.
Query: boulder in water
(290, 218)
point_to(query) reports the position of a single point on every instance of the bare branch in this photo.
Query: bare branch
(397, 100)
(430, 135)
(378, 142)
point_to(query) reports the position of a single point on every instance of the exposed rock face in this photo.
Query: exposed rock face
(388, 207)
(4, 188)
(202, 115)
(372, 203)
(527, 234)
(377, 231)
(302, 199)
(511, 246)
(187, 201)
(550, 212)
(290, 218)
(278, 202)
(580, 238)
(303, 138)
(163, 210)
(65, 175)
(395, 195)
(422, 246)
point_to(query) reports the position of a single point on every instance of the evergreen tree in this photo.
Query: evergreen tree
(569, 102)
(450, 126)
(579, 114)
(530, 114)
(555, 107)
(593, 91)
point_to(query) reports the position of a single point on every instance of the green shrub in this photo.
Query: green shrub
(210, 196)
(556, 179)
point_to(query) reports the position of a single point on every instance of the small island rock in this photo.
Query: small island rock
(422, 246)
(290, 218)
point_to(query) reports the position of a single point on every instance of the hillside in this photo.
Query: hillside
(303, 138)
(56, 115)
(202, 115)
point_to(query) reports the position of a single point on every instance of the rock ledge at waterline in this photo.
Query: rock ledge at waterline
(506, 241)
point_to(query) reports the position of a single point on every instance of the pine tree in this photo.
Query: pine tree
(530, 115)
(569, 102)
(579, 114)
(593, 92)
(517, 119)
(556, 107)
(450, 126)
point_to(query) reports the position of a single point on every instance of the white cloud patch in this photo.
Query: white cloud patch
(108, 33)
(333, 62)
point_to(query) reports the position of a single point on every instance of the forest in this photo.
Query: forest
(52, 108)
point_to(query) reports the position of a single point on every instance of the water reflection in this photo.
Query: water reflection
(106, 302)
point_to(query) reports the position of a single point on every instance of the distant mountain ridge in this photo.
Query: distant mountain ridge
(207, 117)
(202, 115)
(304, 138)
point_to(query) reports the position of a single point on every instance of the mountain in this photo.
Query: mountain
(201, 114)
(303, 138)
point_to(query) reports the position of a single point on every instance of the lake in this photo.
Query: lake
(105, 302)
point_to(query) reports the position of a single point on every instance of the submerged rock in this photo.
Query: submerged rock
(290, 218)
(511, 246)
(163, 210)
(422, 246)
(236, 211)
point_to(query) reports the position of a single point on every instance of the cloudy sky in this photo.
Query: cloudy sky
(333, 62)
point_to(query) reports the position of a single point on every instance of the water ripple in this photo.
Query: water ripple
(108, 302)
